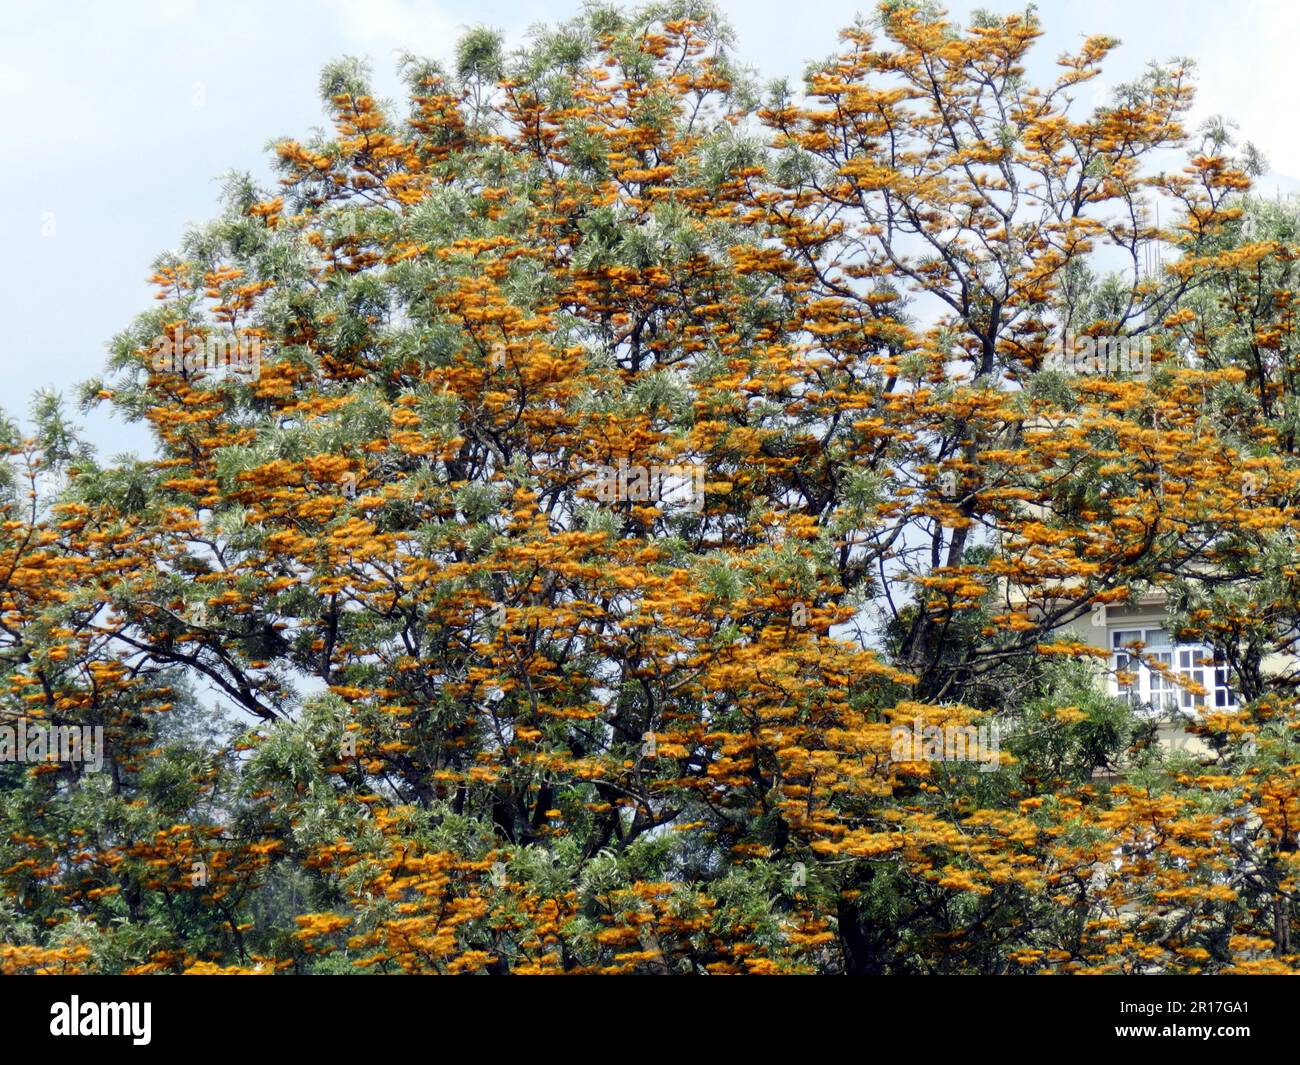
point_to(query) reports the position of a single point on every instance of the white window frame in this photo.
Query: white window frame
(1155, 693)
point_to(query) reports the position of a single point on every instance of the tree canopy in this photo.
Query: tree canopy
(406, 662)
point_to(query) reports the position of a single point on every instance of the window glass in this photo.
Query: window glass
(1153, 681)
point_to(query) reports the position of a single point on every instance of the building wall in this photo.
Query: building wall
(1149, 613)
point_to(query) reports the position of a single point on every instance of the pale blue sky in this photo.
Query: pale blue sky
(122, 115)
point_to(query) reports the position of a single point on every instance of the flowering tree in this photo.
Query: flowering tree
(616, 463)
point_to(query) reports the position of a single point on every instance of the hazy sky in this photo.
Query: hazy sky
(122, 115)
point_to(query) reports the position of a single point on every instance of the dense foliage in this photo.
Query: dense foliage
(388, 683)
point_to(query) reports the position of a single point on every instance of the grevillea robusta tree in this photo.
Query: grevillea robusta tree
(566, 490)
